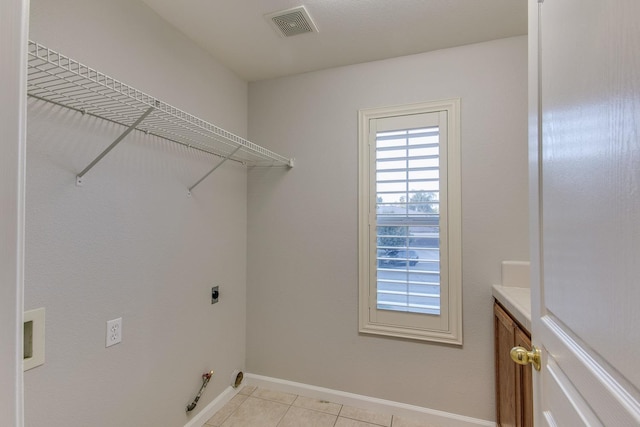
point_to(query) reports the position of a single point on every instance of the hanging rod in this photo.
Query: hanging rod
(55, 78)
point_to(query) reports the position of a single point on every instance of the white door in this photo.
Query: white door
(585, 198)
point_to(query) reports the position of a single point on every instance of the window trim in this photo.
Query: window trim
(407, 327)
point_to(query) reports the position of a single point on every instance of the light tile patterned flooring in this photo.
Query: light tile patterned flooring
(259, 407)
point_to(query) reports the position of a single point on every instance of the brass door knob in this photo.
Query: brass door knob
(522, 356)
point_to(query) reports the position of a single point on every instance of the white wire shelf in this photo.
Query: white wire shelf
(55, 78)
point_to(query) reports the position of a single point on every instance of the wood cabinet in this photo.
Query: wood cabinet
(514, 386)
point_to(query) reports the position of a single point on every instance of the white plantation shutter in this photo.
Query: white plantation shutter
(405, 259)
(407, 219)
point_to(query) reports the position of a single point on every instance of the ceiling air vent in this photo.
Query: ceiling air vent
(292, 22)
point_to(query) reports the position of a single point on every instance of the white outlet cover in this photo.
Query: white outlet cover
(114, 332)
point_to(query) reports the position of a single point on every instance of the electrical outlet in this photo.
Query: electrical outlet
(114, 331)
(215, 294)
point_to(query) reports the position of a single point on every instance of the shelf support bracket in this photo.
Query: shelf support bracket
(112, 146)
(227, 157)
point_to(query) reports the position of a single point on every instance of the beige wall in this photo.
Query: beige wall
(130, 243)
(302, 224)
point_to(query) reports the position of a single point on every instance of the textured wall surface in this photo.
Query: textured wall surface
(302, 224)
(130, 243)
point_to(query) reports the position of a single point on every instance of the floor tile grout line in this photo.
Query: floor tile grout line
(270, 400)
(368, 422)
(315, 410)
(235, 409)
(305, 407)
(283, 416)
(337, 417)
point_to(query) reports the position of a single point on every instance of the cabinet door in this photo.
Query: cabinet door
(524, 384)
(505, 368)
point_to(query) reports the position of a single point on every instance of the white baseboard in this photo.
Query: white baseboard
(201, 417)
(426, 415)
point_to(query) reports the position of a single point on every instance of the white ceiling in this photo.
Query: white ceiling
(350, 31)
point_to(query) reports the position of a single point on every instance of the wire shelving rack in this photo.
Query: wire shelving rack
(55, 78)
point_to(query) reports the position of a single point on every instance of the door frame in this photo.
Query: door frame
(14, 21)
(535, 188)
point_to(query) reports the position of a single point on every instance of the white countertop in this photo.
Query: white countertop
(517, 301)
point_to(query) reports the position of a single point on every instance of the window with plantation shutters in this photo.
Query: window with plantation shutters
(410, 267)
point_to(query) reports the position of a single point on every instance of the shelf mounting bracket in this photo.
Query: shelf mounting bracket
(112, 146)
(227, 157)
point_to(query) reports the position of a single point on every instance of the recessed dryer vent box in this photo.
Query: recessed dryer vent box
(33, 353)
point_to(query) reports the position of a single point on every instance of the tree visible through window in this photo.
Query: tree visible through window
(407, 211)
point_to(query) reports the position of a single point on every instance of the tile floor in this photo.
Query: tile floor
(259, 407)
